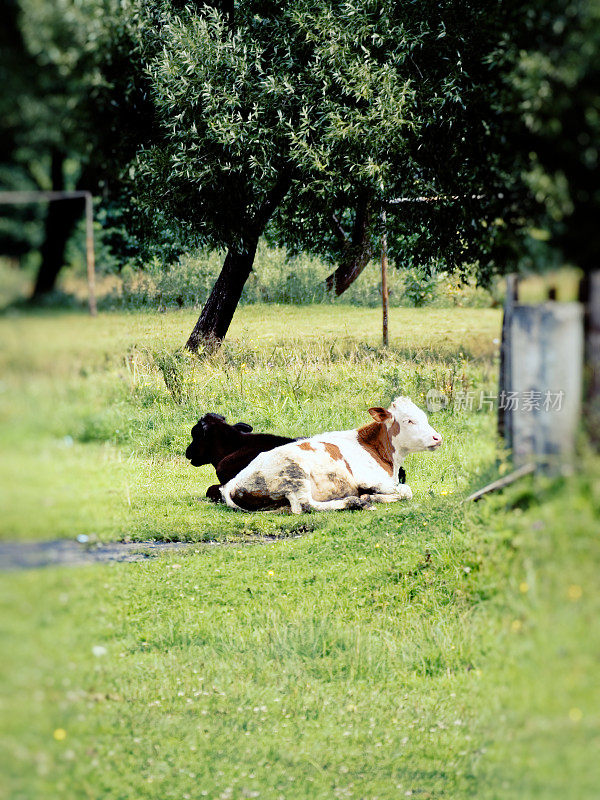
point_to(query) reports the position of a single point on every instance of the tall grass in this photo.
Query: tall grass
(298, 280)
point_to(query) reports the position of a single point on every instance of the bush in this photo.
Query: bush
(278, 278)
(187, 282)
(419, 287)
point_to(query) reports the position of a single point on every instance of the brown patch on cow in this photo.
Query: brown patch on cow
(334, 451)
(253, 501)
(306, 446)
(254, 497)
(376, 441)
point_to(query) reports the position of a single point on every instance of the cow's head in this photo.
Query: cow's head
(407, 425)
(206, 436)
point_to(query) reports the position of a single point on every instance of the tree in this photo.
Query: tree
(75, 113)
(18, 226)
(37, 131)
(554, 79)
(451, 57)
(303, 120)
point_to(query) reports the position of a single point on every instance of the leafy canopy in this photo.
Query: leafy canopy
(349, 99)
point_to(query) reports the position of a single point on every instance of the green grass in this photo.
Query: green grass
(95, 414)
(444, 652)
(428, 649)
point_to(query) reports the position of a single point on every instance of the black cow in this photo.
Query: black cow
(229, 448)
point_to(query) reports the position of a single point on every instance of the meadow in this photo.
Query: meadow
(431, 649)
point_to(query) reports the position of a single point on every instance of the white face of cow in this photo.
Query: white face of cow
(408, 427)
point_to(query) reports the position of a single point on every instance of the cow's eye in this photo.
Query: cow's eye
(410, 421)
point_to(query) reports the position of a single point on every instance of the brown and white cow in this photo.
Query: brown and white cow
(338, 470)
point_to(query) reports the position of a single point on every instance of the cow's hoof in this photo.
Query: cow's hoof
(213, 493)
(357, 503)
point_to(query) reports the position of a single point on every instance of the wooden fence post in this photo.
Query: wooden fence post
(512, 297)
(590, 297)
(89, 250)
(385, 296)
(546, 360)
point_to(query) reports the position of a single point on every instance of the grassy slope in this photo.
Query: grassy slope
(428, 649)
(438, 652)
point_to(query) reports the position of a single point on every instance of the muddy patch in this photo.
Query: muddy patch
(28, 555)
(68, 552)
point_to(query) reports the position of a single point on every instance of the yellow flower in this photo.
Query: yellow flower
(523, 587)
(60, 734)
(575, 714)
(574, 592)
(516, 625)
(271, 572)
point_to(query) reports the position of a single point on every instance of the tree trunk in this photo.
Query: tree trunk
(61, 219)
(220, 307)
(358, 250)
(218, 311)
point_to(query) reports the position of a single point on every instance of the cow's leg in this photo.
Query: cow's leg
(404, 493)
(304, 503)
(351, 503)
(298, 505)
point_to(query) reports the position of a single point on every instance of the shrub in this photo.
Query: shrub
(293, 280)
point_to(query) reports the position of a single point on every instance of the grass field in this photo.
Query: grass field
(430, 649)
(96, 413)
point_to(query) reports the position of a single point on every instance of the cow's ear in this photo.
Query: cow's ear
(379, 414)
(243, 427)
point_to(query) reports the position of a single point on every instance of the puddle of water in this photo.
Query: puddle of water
(28, 555)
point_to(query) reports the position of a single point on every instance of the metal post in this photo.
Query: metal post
(385, 298)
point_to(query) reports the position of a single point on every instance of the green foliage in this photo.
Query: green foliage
(199, 128)
(554, 79)
(329, 107)
(278, 278)
(75, 93)
(419, 287)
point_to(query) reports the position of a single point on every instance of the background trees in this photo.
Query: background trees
(74, 115)
(555, 80)
(219, 123)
